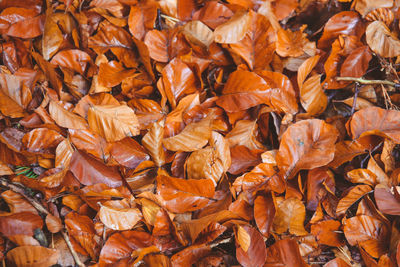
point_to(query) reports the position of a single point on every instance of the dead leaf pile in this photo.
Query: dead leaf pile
(199, 133)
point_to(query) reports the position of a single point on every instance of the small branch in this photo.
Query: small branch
(357, 90)
(71, 248)
(20, 190)
(363, 81)
(170, 18)
(17, 188)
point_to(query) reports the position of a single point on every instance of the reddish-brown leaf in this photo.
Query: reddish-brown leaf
(256, 252)
(283, 253)
(120, 246)
(33, 256)
(376, 121)
(306, 145)
(21, 223)
(90, 171)
(368, 232)
(264, 213)
(184, 195)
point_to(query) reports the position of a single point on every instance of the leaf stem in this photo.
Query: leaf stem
(363, 81)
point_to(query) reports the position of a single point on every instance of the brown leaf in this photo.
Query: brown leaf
(376, 121)
(244, 134)
(305, 69)
(4, 169)
(193, 137)
(120, 246)
(21, 223)
(283, 253)
(243, 90)
(157, 43)
(282, 96)
(312, 97)
(184, 195)
(17, 203)
(89, 171)
(381, 40)
(128, 153)
(74, 59)
(81, 230)
(325, 233)
(368, 232)
(52, 36)
(178, 80)
(291, 43)
(89, 142)
(356, 64)
(152, 141)
(198, 33)
(258, 44)
(234, 29)
(109, 36)
(256, 253)
(345, 22)
(29, 256)
(53, 223)
(306, 145)
(119, 215)
(387, 201)
(353, 195)
(113, 122)
(190, 255)
(142, 18)
(264, 213)
(365, 6)
(22, 22)
(42, 141)
(290, 215)
(65, 118)
(363, 176)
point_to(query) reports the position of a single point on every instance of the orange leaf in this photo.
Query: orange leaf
(256, 253)
(65, 118)
(369, 232)
(290, 215)
(184, 195)
(312, 97)
(264, 213)
(353, 195)
(113, 122)
(33, 256)
(376, 121)
(325, 233)
(306, 145)
(119, 215)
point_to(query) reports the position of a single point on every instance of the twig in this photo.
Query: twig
(170, 18)
(363, 81)
(17, 188)
(357, 90)
(71, 248)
